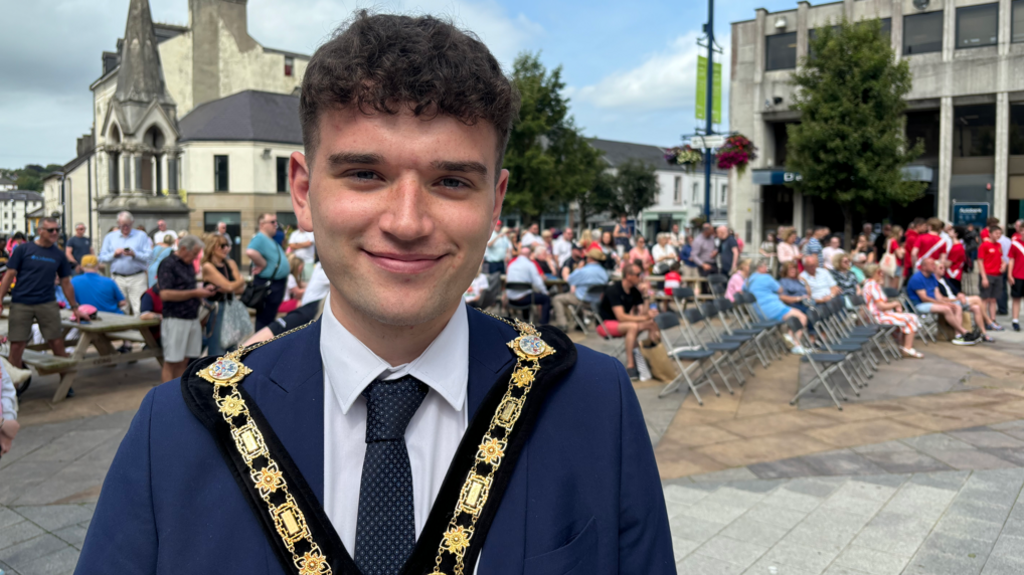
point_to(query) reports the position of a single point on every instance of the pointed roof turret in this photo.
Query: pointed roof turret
(140, 81)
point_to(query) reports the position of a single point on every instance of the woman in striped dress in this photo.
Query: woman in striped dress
(889, 312)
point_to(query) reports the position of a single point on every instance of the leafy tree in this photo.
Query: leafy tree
(549, 161)
(637, 186)
(849, 145)
(603, 196)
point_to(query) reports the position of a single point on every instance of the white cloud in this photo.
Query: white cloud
(666, 80)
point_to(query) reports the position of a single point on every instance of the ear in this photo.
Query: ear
(499, 196)
(298, 176)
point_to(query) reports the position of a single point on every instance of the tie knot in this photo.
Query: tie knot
(390, 406)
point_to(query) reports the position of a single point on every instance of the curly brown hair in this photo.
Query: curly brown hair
(384, 63)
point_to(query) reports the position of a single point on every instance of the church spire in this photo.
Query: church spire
(140, 79)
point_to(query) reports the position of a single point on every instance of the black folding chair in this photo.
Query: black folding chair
(698, 358)
(694, 317)
(525, 309)
(824, 365)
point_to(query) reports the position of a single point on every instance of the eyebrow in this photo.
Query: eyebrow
(344, 158)
(462, 167)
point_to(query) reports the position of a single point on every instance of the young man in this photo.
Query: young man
(35, 265)
(930, 244)
(1016, 276)
(922, 291)
(78, 247)
(405, 122)
(991, 271)
(625, 315)
(914, 229)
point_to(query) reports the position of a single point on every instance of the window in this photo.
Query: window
(781, 52)
(220, 173)
(289, 66)
(677, 191)
(1017, 129)
(886, 28)
(282, 176)
(922, 33)
(924, 127)
(1017, 22)
(725, 196)
(696, 194)
(974, 131)
(977, 26)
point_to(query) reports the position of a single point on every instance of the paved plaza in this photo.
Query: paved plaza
(920, 475)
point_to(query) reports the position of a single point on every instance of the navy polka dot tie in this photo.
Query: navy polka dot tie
(386, 528)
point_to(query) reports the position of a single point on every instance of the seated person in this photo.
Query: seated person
(96, 290)
(624, 314)
(793, 291)
(842, 273)
(580, 281)
(972, 303)
(767, 291)
(922, 289)
(524, 270)
(673, 278)
(476, 289)
(664, 254)
(152, 307)
(738, 280)
(888, 312)
(9, 425)
(820, 283)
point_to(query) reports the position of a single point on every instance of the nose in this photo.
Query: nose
(406, 210)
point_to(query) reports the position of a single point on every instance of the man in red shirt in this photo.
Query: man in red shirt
(1016, 275)
(991, 255)
(956, 258)
(930, 244)
(910, 242)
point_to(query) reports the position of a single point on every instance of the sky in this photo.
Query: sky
(629, 67)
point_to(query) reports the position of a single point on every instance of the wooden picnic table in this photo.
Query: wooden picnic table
(99, 333)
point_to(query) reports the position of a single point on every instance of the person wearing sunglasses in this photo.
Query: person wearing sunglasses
(269, 266)
(33, 299)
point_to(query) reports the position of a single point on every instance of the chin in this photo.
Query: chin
(403, 310)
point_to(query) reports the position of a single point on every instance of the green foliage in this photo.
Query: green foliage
(849, 147)
(548, 159)
(637, 186)
(31, 176)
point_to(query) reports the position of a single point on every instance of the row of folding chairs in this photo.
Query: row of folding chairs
(929, 321)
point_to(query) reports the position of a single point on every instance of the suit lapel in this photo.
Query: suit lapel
(294, 403)
(489, 357)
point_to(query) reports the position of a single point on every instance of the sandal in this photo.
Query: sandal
(988, 339)
(911, 353)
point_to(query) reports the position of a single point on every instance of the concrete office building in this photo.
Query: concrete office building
(966, 105)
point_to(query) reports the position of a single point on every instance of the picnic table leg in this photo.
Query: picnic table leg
(102, 344)
(147, 335)
(68, 377)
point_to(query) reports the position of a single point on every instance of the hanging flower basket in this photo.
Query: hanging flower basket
(684, 156)
(736, 152)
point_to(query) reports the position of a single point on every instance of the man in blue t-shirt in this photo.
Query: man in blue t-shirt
(35, 265)
(921, 289)
(270, 267)
(96, 290)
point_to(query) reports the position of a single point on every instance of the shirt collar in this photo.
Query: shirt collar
(350, 366)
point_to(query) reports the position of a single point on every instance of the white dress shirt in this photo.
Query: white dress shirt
(433, 434)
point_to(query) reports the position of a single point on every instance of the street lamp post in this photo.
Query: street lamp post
(708, 109)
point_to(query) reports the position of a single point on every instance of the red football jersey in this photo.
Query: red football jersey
(957, 256)
(925, 242)
(991, 255)
(1018, 260)
(908, 249)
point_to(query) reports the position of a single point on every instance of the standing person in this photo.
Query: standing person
(180, 333)
(303, 246)
(126, 251)
(675, 238)
(703, 251)
(930, 244)
(868, 231)
(813, 245)
(78, 247)
(270, 267)
(161, 231)
(767, 249)
(562, 247)
(624, 315)
(1001, 297)
(881, 241)
(956, 258)
(498, 249)
(222, 272)
(406, 197)
(915, 228)
(991, 269)
(35, 265)
(222, 230)
(787, 249)
(161, 251)
(9, 425)
(728, 251)
(1016, 275)
(532, 237)
(866, 248)
(622, 235)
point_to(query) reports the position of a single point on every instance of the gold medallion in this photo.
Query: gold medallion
(224, 371)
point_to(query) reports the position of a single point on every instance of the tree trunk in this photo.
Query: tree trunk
(848, 241)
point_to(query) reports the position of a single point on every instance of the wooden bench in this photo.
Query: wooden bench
(47, 363)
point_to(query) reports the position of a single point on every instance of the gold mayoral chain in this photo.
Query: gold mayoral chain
(225, 374)
(529, 349)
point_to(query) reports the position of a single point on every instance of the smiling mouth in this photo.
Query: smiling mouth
(404, 263)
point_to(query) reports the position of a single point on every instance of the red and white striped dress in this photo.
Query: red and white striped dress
(874, 293)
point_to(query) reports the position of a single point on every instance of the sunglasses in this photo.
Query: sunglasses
(225, 245)
(51, 230)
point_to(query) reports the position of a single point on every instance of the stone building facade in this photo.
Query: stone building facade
(966, 105)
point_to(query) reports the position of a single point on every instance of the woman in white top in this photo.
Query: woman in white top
(295, 287)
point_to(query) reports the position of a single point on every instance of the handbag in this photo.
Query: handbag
(236, 325)
(254, 295)
(889, 263)
(662, 367)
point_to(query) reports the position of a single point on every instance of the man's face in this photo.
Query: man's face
(535, 229)
(269, 225)
(821, 233)
(161, 225)
(723, 233)
(79, 231)
(125, 226)
(706, 232)
(675, 229)
(222, 228)
(407, 206)
(568, 234)
(998, 233)
(811, 263)
(928, 266)
(834, 242)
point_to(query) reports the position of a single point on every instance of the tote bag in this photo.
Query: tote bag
(889, 263)
(236, 325)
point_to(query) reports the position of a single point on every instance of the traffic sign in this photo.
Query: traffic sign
(714, 141)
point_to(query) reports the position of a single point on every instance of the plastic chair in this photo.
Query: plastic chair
(526, 309)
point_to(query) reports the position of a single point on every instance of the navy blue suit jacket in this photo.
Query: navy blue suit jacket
(585, 496)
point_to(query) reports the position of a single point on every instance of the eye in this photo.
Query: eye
(452, 183)
(364, 175)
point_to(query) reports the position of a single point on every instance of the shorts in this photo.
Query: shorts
(1017, 289)
(181, 339)
(995, 287)
(923, 307)
(613, 329)
(22, 315)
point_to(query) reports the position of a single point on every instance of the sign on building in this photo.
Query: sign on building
(970, 213)
(702, 91)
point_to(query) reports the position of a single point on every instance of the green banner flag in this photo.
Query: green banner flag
(702, 91)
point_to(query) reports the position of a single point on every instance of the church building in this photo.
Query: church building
(191, 124)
